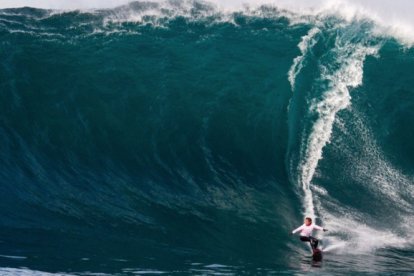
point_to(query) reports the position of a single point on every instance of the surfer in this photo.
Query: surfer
(306, 232)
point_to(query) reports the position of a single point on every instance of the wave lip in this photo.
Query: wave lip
(392, 20)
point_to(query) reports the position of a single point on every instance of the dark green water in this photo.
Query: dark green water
(180, 139)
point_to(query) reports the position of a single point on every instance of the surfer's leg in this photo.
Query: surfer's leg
(307, 239)
(314, 242)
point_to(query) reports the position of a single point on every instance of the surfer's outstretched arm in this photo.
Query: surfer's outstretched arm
(317, 227)
(298, 229)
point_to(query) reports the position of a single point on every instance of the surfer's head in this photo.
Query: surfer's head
(308, 221)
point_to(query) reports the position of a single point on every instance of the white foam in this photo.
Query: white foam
(13, 257)
(307, 42)
(393, 18)
(64, 4)
(8, 271)
(347, 231)
(337, 246)
(351, 57)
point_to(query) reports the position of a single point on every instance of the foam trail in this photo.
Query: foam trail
(349, 228)
(360, 237)
(9, 271)
(335, 247)
(307, 42)
(335, 99)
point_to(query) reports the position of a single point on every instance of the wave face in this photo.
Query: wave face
(176, 137)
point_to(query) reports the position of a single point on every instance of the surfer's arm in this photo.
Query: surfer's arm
(297, 229)
(317, 227)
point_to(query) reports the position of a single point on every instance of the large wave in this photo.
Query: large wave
(205, 133)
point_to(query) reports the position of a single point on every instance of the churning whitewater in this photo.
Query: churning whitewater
(190, 137)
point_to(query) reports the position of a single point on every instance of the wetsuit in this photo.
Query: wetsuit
(306, 232)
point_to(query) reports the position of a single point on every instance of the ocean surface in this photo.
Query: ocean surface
(178, 138)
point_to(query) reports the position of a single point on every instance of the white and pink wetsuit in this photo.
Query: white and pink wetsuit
(306, 231)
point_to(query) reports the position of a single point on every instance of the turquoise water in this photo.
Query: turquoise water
(180, 139)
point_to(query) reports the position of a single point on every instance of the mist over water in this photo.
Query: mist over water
(191, 137)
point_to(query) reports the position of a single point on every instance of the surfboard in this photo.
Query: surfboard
(317, 255)
(316, 252)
